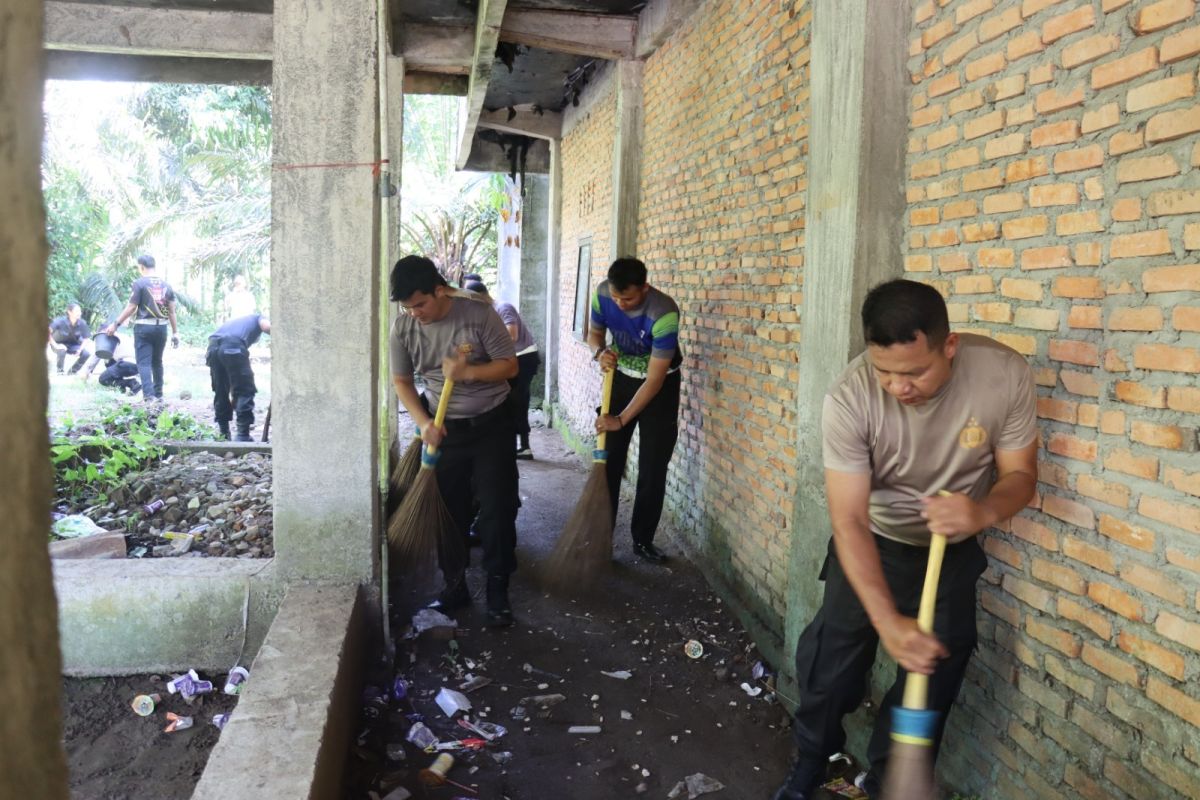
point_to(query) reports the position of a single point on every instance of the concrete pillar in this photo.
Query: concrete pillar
(32, 763)
(855, 215)
(531, 292)
(627, 159)
(391, 111)
(325, 288)
(553, 281)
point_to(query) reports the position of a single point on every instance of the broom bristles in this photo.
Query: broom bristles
(405, 468)
(583, 553)
(910, 773)
(422, 528)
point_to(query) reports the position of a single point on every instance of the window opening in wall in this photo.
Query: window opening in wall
(583, 281)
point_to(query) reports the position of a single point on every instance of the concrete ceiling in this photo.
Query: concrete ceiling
(255, 6)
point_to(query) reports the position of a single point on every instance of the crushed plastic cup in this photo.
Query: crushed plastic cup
(189, 685)
(452, 702)
(143, 704)
(219, 720)
(177, 723)
(420, 735)
(693, 649)
(237, 676)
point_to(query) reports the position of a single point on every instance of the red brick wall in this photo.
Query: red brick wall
(1054, 197)
(587, 171)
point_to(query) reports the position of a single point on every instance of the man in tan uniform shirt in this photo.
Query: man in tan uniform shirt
(923, 410)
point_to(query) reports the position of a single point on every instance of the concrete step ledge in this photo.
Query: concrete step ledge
(213, 446)
(288, 735)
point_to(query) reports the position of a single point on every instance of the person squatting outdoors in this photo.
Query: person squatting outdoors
(153, 301)
(120, 372)
(923, 410)
(70, 335)
(228, 360)
(644, 323)
(528, 362)
(452, 335)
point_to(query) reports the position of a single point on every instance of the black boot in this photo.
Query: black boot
(243, 434)
(223, 431)
(499, 612)
(453, 597)
(803, 782)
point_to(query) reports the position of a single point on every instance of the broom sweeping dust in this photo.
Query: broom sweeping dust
(422, 525)
(583, 553)
(910, 766)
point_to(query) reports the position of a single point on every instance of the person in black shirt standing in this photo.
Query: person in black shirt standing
(71, 335)
(228, 360)
(153, 300)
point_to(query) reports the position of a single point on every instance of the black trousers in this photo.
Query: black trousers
(527, 367)
(149, 342)
(659, 426)
(122, 375)
(233, 387)
(836, 651)
(63, 349)
(478, 463)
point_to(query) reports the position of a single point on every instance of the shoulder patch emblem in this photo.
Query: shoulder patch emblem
(972, 435)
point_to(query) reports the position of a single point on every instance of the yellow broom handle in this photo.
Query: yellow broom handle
(440, 416)
(916, 685)
(605, 402)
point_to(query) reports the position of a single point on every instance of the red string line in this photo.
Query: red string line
(376, 166)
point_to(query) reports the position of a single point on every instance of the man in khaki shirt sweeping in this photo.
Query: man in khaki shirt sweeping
(922, 411)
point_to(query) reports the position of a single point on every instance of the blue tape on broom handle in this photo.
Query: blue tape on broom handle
(599, 456)
(914, 725)
(429, 458)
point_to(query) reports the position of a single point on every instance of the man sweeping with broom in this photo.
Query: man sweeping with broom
(645, 353)
(447, 336)
(922, 411)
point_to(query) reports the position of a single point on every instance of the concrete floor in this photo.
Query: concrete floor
(685, 717)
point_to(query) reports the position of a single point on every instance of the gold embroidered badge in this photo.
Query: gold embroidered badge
(972, 435)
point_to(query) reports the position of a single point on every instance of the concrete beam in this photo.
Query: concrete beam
(127, 617)
(32, 763)
(71, 65)
(288, 735)
(627, 159)
(658, 20)
(597, 35)
(855, 227)
(489, 157)
(487, 34)
(527, 122)
(94, 28)
(436, 48)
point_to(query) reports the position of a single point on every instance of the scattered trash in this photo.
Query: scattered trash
(189, 685)
(843, 788)
(420, 735)
(154, 506)
(621, 674)
(626, 715)
(474, 682)
(396, 752)
(583, 729)
(753, 691)
(488, 730)
(237, 676)
(532, 670)
(452, 702)
(220, 721)
(693, 649)
(543, 700)
(177, 723)
(428, 619)
(139, 552)
(502, 758)
(399, 688)
(518, 713)
(695, 785)
(759, 671)
(435, 773)
(76, 526)
(143, 704)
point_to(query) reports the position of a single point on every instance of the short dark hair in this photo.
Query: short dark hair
(414, 274)
(626, 272)
(894, 312)
(146, 261)
(475, 286)
(74, 304)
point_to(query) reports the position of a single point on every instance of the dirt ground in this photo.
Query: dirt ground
(113, 754)
(674, 717)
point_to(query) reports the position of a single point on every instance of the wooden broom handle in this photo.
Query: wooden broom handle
(440, 416)
(605, 402)
(916, 685)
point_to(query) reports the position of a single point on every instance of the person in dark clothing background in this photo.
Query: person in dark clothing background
(70, 335)
(528, 362)
(228, 360)
(153, 301)
(121, 370)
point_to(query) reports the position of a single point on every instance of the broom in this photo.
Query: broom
(404, 468)
(584, 550)
(910, 767)
(422, 525)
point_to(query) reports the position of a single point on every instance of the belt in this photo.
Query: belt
(486, 418)
(150, 321)
(637, 373)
